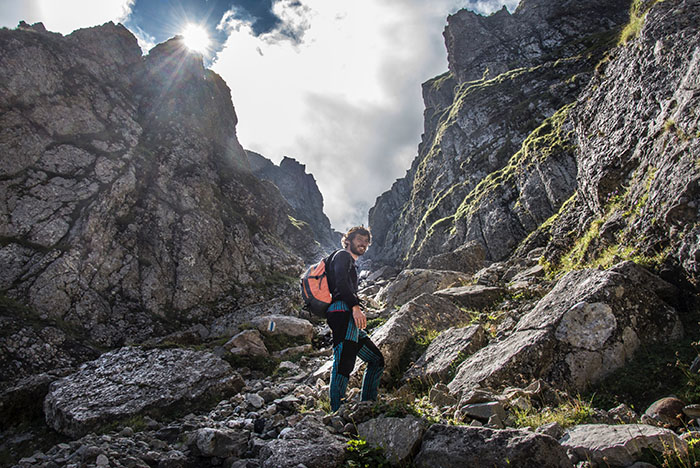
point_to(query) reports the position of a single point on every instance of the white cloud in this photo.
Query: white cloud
(145, 40)
(346, 100)
(64, 16)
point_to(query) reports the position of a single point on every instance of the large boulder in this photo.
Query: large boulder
(132, 381)
(426, 312)
(285, 325)
(446, 349)
(399, 437)
(619, 445)
(476, 447)
(414, 282)
(309, 443)
(586, 327)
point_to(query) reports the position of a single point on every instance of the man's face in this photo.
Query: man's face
(359, 244)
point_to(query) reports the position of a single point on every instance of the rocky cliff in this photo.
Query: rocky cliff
(495, 160)
(302, 193)
(127, 205)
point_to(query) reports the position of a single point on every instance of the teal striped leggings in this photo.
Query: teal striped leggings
(349, 342)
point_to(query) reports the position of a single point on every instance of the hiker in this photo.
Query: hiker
(347, 321)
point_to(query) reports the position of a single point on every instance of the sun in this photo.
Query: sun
(196, 38)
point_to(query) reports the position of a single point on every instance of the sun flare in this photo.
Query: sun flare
(196, 38)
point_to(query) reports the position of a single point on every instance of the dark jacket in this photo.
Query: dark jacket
(342, 279)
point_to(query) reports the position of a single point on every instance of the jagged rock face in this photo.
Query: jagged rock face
(126, 202)
(537, 28)
(302, 193)
(637, 133)
(496, 159)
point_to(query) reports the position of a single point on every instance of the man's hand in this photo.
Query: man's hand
(359, 317)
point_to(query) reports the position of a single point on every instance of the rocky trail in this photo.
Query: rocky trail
(462, 386)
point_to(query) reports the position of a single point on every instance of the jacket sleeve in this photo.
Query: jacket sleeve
(344, 279)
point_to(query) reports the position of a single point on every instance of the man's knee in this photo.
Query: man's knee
(348, 355)
(380, 362)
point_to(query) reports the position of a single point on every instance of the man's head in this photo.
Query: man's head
(357, 239)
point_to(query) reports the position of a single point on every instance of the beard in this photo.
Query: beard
(357, 250)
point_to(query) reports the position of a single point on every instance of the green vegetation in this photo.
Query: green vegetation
(405, 403)
(570, 413)
(323, 404)
(638, 14)
(672, 457)
(359, 454)
(375, 323)
(547, 139)
(414, 349)
(297, 223)
(540, 144)
(589, 251)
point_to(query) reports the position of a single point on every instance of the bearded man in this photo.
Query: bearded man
(348, 322)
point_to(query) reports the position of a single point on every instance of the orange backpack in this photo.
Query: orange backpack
(314, 287)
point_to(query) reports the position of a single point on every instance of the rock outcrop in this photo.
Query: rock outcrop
(590, 324)
(133, 382)
(127, 205)
(302, 193)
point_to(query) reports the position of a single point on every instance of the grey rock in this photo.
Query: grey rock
(462, 446)
(384, 272)
(444, 352)
(646, 87)
(412, 283)
(587, 326)
(476, 177)
(399, 437)
(439, 395)
(255, 400)
(309, 443)
(476, 395)
(619, 445)
(692, 411)
(285, 325)
(475, 296)
(552, 429)
(426, 311)
(132, 381)
(219, 443)
(483, 411)
(623, 414)
(523, 38)
(247, 342)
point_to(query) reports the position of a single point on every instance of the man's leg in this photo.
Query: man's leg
(369, 353)
(345, 348)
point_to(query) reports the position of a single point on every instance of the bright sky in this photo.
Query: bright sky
(334, 84)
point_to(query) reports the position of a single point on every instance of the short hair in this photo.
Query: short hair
(353, 232)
